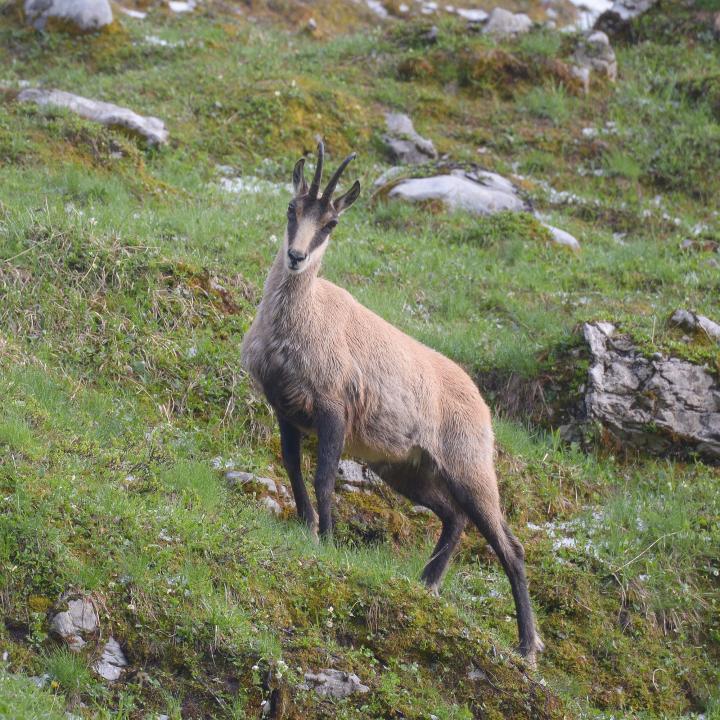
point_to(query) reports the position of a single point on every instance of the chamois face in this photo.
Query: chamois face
(311, 219)
(309, 225)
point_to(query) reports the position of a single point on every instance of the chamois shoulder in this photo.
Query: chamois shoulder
(369, 328)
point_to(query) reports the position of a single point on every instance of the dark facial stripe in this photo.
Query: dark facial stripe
(292, 227)
(319, 239)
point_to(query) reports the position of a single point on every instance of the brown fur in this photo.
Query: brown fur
(412, 413)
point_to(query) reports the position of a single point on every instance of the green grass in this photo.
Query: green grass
(127, 281)
(20, 698)
(549, 103)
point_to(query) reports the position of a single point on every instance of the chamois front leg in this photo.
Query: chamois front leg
(290, 442)
(330, 428)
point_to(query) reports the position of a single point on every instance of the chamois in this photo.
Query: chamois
(331, 367)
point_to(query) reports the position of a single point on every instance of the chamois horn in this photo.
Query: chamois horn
(317, 177)
(330, 189)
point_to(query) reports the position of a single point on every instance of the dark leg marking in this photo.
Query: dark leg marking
(452, 530)
(330, 429)
(290, 442)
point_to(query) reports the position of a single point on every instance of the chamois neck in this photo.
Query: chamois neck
(287, 293)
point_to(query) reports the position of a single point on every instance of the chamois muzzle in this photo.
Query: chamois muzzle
(296, 258)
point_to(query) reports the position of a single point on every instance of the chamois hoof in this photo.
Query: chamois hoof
(434, 589)
(314, 535)
(530, 655)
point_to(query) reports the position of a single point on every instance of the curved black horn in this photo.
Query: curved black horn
(315, 187)
(330, 189)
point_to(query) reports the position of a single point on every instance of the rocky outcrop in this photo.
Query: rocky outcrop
(152, 129)
(80, 16)
(404, 144)
(334, 683)
(619, 17)
(659, 405)
(594, 55)
(503, 23)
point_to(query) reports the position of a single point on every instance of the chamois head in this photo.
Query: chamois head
(311, 219)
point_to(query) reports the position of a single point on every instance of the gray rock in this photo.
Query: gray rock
(583, 75)
(40, 681)
(595, 55)
(431, 36)
(150, 128)
(658, 405)
(272, 505)
(80, 15)
(112, 661)
(79, 620)
(389, 175)
(267, 483)
(476, 674)
(563, 238)
(693, 322)
(353, 473)
(347, 487)
(458, 192)
(502, 23)
(237, 477)
(334, 683)
(621, 14)
(421, 510)
(479, 192)
(403, 142)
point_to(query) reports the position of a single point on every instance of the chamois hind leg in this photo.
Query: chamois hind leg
(421, 485)
(479, 498)
(453, 525)
(290, 441)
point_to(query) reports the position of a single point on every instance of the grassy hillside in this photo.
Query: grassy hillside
(128, 277)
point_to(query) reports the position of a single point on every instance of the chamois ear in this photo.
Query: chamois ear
(300, 185)
(345, 201)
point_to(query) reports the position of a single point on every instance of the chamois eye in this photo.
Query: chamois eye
(291, 211)
(330, 225)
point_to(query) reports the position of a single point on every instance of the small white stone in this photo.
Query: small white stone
(472, 15)
(563, 238)
(136, 14)
(179, 6)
